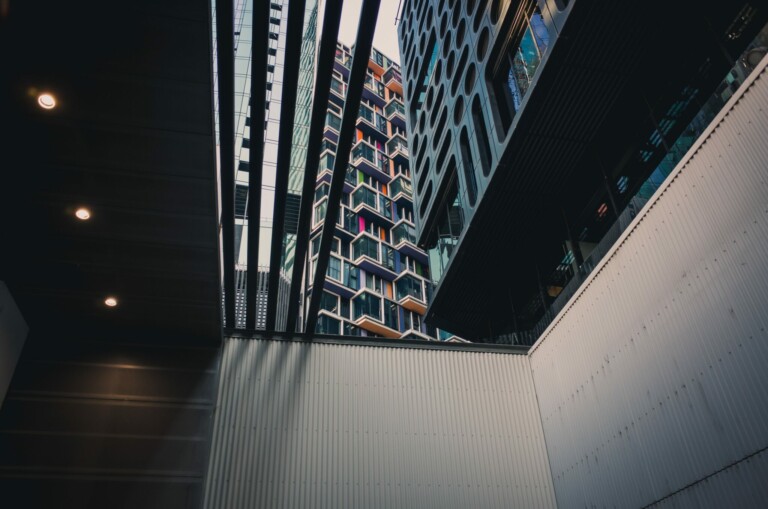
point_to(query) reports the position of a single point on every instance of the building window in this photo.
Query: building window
(445, 236)
(334, 268)
(516, 67)
(328, 325)
(426, 73)
(329, 302)
(241, 201)
(469, 167)
(481, 135)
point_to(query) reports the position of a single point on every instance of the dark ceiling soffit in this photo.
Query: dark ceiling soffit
(325, 63)
(285, 144)
(259, 61)
(415, 344)
(365, 29)
(225, 45)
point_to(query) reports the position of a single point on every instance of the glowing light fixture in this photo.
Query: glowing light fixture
(110, 302)
(46, 101)
(83, 214)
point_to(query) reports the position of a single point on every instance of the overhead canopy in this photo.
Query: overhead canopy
(132, 139)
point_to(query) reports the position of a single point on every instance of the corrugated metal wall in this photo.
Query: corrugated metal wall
(322, 425)
(652, 383)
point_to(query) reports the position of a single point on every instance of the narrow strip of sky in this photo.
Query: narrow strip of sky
(385, 37)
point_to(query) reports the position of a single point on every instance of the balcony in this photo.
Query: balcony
(394, 111)
(410, 292)
(318, 214)
(338, 92)
(378, 63)
(371, 123)
(401, 189)
(348, 226)
(332, 127)
(372, 205)
(392, 80)
(371, 161)
(404, 240)
(343, 63)
(375, 314)
(397, 148)
(328, 323)
(342, 278)
(417, 335)
(374, 91)
(325, 169)
(371, 255)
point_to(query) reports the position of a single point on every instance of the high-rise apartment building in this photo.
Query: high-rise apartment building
(377, 281)
(535, 127)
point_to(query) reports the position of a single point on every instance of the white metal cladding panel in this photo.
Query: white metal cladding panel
(655, 375)
(742, 485)
(320, 425)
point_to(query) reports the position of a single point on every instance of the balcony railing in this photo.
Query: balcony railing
(364, 195)
(394, 107)
(401, 185)
(375, 86)
(376, 314)
(410, 286)
(377, 121)
(403, 232)
(397, 145)
(365, 246)
(364, 153)
(339, 87)
(375, 202)
(344, 59)
(392, 73)
(333, 121)
(368, 305)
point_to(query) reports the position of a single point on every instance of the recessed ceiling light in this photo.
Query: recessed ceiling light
(83, 214)
(46, 101)
(110, 302)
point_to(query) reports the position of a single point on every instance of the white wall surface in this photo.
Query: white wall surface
(653, 382)
(301, 425)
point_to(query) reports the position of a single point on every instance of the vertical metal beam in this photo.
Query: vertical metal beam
(285, 144)
(259, 61)
(365, 29)
(325, 63)
(225, 58)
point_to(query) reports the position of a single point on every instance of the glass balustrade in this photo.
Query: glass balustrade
(393, 107)
(403, 232)
(371, 155)
(326, 162)
(333, 121)
(366, 304)
(409, 286)
(401, 185)
(366, 113)
(338, 87)
(366, 246)
(388, 257)
(392, 73)
(391, 315)
(364, 195)
(397, 143)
